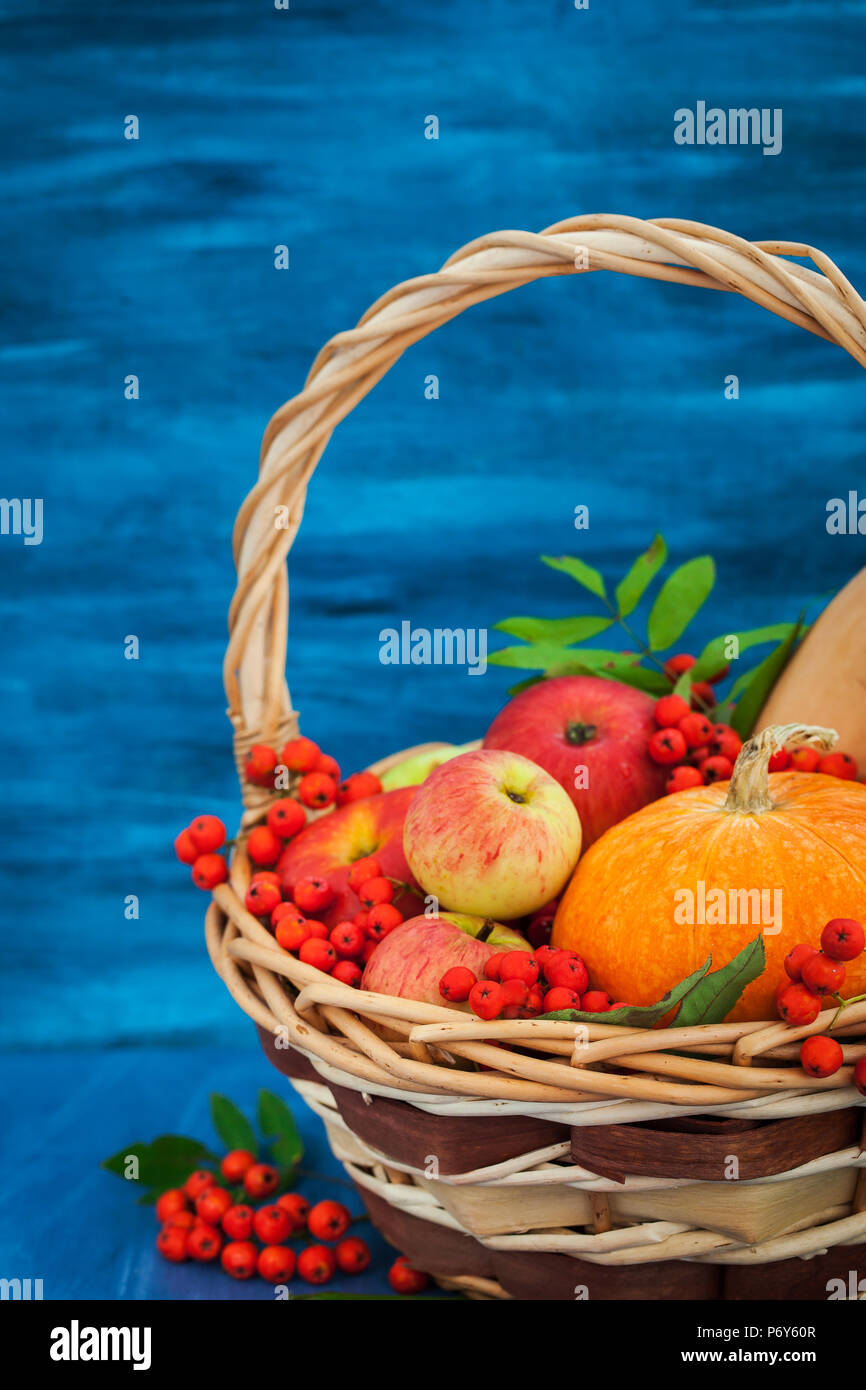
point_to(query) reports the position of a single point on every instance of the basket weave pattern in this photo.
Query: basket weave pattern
(419, 1053)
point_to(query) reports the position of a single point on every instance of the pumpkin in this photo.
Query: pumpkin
(704, 871)
(825, 680)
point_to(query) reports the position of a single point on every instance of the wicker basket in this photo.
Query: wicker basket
(624, 1169)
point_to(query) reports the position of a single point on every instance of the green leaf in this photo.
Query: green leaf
(578, 570)
(713, 658)
(682, 595)
(755, 687)
(634, 585)
(653, 682)
(167, 1162)
(713, 998)
(564, 630)
(639, 1015)
(232, 1126)
(683, 686)
(275, 1120)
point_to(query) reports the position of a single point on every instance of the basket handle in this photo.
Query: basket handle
(688, 253)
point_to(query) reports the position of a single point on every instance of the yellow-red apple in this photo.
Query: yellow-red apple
(491, 834)
(412, 959)
(329, 846)
(590, 734)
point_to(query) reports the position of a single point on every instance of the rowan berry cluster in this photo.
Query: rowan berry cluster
(700, 752)
(524, 984)
(814, 978)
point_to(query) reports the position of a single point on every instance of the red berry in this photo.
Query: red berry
(795, 957)
(515, 993)
(725, 743)
(678, 665)
(286, 818)
(291, 933)
(170, 1203)
(859, 1077)
(316, 1264)
(207, 833)
(261, 1180)
(667, 746)
(780, 760)
(456, 984)
(260, 765)
(328, 1220)
(172, 1243)
(534, 1004)
(568, 971)
(362, 870)
(237, 1222)
(595, 1001)
(313, 894)
(209, 870)
(805, 759)
(317, 790)
(368, 951)
(669, 710)
(822, 974)
(239, 1259)
(717, 769)
(286, 912)
(842, 939)
(544, 954)
(347, 940)
(236, 1163)
(300, 755)
(381, 920)
(204, 1242)
(297, 1209)
(376, 891)
(820, 1056)
(696, 729)
(318, 930)
(261, 899)
(703, 695)
(267, 876)
(348, 972)
(361, 919)
(185, 849)
(798, 1006)
(276, 1264)
(263, 846)
(213, 1204)
(357, 787)
(838, 765)
(184, 1219)
(272, 1225)
(320, 954)
(198, 1182)
(719, 675)
(683, 777)
(560, 998)
(519, 965)
(352, 1255)
(492, 964)
(486, 999)
(404, 1279)
(325, 763)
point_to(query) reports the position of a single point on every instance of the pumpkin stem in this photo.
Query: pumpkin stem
(749, 790)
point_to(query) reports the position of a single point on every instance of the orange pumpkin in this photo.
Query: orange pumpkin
(704, 871)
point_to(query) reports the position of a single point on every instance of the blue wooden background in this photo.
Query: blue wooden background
(155, 257)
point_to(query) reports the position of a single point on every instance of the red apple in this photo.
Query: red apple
(585, 722)
(329, 846)
(492, 834)
(412, 959)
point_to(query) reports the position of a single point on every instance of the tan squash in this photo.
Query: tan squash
(825, 682)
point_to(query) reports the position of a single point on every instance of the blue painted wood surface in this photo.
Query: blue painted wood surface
(155, 258)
